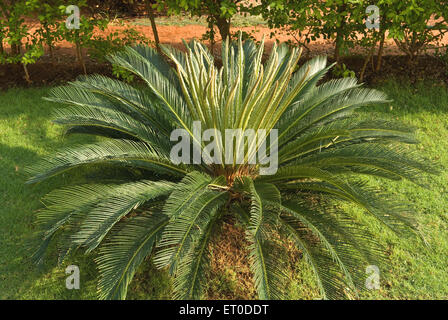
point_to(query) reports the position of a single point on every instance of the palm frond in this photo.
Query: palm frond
(112, 208)
(113, 121)
(330, 279)
(199, 205)
(123, 152)
(191, 272)
(396, 216)
(151, 67)
(343, 239)
(370, 158)
(269, 276)
(130, 242)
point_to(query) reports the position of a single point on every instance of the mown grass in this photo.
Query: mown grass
(415, 271)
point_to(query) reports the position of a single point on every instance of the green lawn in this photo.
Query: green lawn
(26, 134)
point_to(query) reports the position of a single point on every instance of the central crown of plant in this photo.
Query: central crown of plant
(137, 203)
(242, 94)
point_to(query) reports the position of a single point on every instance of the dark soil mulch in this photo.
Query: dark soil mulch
(46, 73)
(424, 67)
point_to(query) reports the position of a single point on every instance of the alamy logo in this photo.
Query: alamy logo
(72, 281)
(72, 22)
(236, 147)
(373, 20)
(373, 280)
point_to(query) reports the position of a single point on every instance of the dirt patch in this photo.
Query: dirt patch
(230, 276)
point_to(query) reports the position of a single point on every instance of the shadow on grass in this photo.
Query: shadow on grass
(20, 278)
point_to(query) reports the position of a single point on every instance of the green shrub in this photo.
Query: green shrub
(49, 15)
(341, 71)
(309, 20)
(219, 13)
(101, 46)
(122, 73)
(411, 24)
(25, 48)
(81, 37)
(408, 23)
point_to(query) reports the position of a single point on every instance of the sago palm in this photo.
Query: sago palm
(169, 212)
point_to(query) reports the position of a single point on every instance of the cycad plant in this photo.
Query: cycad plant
(169, 211)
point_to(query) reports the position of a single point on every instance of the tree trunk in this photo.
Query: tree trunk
(81, 58)
(78, 58)
(223, 25)
(153, 24)
(15, 49)
(27, 74)
(380, 52)
(339, 36)
(211, 27)
(337, 49)
(50, 47)
(49, 41)
(366, 62)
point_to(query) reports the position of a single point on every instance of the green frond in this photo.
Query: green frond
(114, 121)
(199, 205)
(190, 276)
(113, 207)
(329, 277)
(344, 240)
(370, 158)
(341, 133)
(104, 93)
(78, 213)
(335, 107)
(396, 216)
(123, 152)
(130, 242)
(269, 276)
(146, 63)
(269, 271)
(187, 190)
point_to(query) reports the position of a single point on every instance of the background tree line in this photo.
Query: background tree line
(414, 25)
